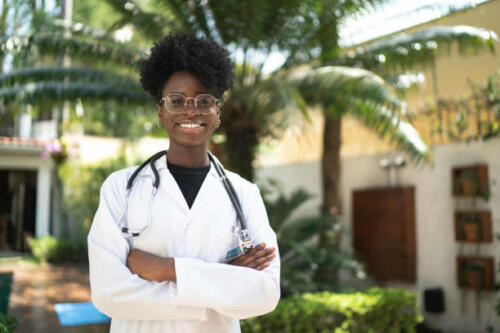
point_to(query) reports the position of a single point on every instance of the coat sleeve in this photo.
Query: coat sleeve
(114, 289)
(234, 291)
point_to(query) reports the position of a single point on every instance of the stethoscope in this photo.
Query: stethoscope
(244, 240)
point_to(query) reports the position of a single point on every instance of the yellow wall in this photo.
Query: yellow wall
(452, 74)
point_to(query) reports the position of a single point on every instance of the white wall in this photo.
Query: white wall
(436, 246)
(91, 149)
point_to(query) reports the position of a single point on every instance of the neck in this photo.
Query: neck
(189, 157)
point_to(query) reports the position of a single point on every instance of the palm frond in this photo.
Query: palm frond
(388, 124)
(73, 74)
(331, 84)
(153, 25)
(281, 209)
(65, 91)
(272, 104)
(86, 50)
(405, 81)
(80, 29)
(302, 229)
(405, 51)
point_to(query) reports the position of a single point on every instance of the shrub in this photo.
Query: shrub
(82, 184)
(57, 250)
(375, 310)
(303, 256)
(7, 323)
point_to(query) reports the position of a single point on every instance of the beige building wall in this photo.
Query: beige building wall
(453, 73)
(434, 208)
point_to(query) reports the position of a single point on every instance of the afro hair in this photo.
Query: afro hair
(205, 58)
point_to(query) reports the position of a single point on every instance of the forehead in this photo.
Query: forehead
(184, 82)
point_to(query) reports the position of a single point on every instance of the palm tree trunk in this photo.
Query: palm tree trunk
(331, 165)
(240, 147)
(330, 170)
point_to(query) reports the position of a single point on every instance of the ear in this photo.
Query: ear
(159, 109)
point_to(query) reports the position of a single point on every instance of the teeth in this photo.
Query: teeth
(190, 125)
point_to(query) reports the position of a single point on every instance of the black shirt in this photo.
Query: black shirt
(189, 180)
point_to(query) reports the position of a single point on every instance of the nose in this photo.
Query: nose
(190, 108)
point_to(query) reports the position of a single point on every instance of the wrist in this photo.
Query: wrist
(168, 269)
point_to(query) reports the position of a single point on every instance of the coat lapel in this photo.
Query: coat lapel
(208, 192)
(169, 186)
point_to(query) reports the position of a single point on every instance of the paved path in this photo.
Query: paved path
(37, 288)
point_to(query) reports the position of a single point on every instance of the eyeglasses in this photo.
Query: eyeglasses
(177, 103)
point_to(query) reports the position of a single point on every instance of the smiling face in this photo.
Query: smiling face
(189, 128)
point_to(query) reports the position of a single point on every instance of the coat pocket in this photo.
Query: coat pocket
(222, 240)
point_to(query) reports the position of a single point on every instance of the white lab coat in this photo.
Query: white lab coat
(209, 296)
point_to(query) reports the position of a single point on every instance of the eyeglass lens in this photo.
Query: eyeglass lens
(177, 103)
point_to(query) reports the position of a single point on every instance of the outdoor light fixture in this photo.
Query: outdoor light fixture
(392, 167)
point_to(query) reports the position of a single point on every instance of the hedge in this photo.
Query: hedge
(371, 311)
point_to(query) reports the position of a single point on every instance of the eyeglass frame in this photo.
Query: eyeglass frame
(163, 102)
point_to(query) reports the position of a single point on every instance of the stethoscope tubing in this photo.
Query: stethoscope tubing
(245, 239)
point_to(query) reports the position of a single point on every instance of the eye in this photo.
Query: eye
(176, 100)
(205, 100)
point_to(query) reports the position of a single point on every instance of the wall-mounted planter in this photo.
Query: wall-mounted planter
(476, 273)
(473, 227)
(470, 180)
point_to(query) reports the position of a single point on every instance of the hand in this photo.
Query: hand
(151, 267)
(257, 258)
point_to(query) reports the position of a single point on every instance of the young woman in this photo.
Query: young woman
(160, 257)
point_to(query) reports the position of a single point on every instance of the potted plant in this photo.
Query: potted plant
(472, 275)
(469, 183)
(471, 228)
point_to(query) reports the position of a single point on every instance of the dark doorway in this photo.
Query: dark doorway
(17, 209)
(384, 232)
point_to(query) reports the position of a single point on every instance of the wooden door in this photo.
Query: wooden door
(384, 232)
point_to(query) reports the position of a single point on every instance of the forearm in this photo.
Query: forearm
(120, 294)
(151, 267)
(234, 291)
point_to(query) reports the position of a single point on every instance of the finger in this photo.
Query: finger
(256, 252)
(263, 266)
(263, 253)
(257, 261)
(261, 261)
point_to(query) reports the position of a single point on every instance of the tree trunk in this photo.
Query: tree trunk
(330, 170)
(240, 148)
(331, 165)
(241, 138)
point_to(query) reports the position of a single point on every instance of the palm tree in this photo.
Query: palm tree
(307, 32)
(37, 80)
(387, 56)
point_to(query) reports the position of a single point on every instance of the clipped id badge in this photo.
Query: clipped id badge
(236, 246)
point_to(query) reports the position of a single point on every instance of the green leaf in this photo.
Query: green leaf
(405, 51)
(388, 124)
(64, 91)
(56, 73)
(330, 85)
(76, 47)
